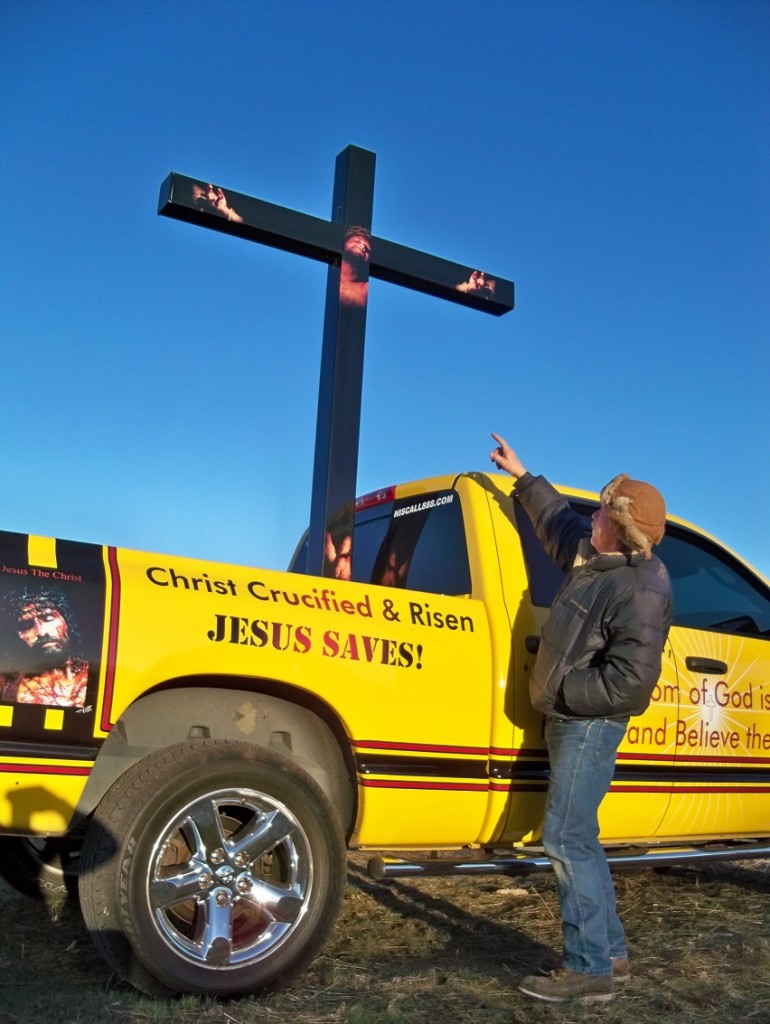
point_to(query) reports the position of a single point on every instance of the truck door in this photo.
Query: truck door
(640, 792)
(721, 639)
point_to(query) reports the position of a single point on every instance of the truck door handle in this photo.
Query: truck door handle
(708, 665)
(532, 643)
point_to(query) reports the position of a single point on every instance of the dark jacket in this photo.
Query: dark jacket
(600, 649)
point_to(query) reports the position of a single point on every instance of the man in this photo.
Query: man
(598, 662)
(39, 663)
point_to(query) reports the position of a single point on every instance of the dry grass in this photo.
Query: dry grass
(431, 951)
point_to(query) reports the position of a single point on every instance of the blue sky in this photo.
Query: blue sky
(610, 156)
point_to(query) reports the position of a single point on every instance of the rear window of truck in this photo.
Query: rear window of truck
(412, 543)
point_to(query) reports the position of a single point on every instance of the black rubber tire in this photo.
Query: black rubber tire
(39, 867)
(212, 867)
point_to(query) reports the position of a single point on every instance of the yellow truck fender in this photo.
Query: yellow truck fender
(166, 717)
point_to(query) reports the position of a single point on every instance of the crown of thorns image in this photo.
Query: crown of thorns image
(21, 608)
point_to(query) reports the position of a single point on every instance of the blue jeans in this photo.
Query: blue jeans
(582, 754)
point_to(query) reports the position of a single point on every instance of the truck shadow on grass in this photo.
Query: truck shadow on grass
(751, 876)
(510, 925)
(698, 937)
(485, 944)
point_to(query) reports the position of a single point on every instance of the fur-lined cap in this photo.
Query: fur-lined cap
(637, 511)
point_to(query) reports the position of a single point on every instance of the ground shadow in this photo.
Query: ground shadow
(486, 945)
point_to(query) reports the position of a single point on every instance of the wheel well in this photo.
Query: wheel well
(289, 725)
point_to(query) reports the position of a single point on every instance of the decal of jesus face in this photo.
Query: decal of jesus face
(43, 628)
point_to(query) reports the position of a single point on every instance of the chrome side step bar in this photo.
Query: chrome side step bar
(383, 868)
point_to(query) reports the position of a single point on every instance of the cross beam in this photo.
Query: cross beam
(353, 254)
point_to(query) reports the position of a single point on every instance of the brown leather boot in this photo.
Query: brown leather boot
(621, 970)
(568, 986)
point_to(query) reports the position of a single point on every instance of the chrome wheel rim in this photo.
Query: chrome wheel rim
(229, 878)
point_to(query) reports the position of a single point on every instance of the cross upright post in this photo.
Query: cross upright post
(346, 244)
(330, 535)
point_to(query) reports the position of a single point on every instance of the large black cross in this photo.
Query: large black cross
(345, 242)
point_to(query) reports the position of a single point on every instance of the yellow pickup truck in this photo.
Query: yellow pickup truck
(194, 745)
